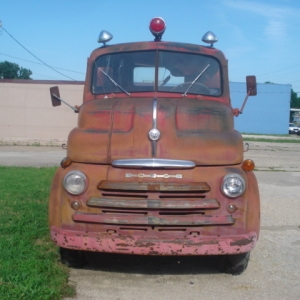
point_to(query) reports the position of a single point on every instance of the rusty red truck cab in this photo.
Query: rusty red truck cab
(155, 166)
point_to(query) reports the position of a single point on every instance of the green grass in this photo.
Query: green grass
(269, 134)
(29, 261)
(271, 140)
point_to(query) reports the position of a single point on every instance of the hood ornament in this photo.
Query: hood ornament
(154, 134)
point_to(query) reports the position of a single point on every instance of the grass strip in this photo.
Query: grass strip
(29, 261)
(271, 140)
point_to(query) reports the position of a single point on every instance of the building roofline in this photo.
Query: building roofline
(31, 81)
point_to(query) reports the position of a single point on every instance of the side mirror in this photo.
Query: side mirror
(251, 85)
(251, 91)
(56, 101)
(54, 93)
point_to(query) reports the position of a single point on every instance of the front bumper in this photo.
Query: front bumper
(198, 245)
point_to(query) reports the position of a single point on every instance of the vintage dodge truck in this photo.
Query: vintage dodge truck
(155, 166)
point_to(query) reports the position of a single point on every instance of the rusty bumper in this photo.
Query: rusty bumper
(198, 245)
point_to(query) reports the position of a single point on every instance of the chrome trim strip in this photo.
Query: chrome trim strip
(154, 133)
(153, 148)
(153, 163)
(154, 116)
(154, 123)
(141, 175)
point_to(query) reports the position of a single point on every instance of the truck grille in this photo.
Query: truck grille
(153, 204)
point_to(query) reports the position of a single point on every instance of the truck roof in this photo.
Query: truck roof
(152, 45)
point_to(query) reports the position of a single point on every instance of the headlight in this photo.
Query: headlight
(233, 185)
(75, 182)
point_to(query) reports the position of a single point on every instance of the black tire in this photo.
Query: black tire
(72, 258)
(234, 264)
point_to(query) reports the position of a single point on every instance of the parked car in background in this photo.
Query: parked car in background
(294, 129)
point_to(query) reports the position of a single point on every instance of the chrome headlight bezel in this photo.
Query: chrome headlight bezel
(233, 185)
(75, 183)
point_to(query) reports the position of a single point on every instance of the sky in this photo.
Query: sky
(54, 38)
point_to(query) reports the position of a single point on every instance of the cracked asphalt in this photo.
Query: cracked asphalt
(274, 267)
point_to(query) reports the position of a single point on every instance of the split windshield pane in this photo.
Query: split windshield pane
(177, 72)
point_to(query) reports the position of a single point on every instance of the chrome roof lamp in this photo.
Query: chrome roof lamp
(209, 38)
(104, 37)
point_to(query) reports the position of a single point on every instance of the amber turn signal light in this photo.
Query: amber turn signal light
(248, 165)
(66, 162)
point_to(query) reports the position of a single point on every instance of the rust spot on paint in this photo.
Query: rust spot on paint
(243, 242)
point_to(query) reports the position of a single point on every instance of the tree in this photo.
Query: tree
(295, 103)
(295, 100)
(10, 70)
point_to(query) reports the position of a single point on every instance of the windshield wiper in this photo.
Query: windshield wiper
(116, 84)
(196, 80)
(166, 80)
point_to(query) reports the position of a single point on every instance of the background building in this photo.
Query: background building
(266, 113)
(27, 115)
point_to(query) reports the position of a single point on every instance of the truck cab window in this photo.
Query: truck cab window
(185, 69)
(177, 72)
(129, 70)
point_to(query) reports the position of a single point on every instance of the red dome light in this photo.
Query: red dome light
(157, 27)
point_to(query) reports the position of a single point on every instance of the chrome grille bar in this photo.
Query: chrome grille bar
(153, 163)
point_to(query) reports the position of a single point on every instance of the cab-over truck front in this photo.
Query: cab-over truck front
(155, 166)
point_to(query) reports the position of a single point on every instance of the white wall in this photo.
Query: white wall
(27, 116)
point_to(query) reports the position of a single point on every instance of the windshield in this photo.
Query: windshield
(175, 72)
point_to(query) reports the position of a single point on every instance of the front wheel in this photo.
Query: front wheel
(72, 258)
(234, 264)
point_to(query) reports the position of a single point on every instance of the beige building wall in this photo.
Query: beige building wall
(27, 116)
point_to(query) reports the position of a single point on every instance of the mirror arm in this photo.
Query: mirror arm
(61, 100)
(245, 101)
(236, 111)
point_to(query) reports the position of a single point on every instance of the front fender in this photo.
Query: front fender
(54, 211)
(253, 205)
